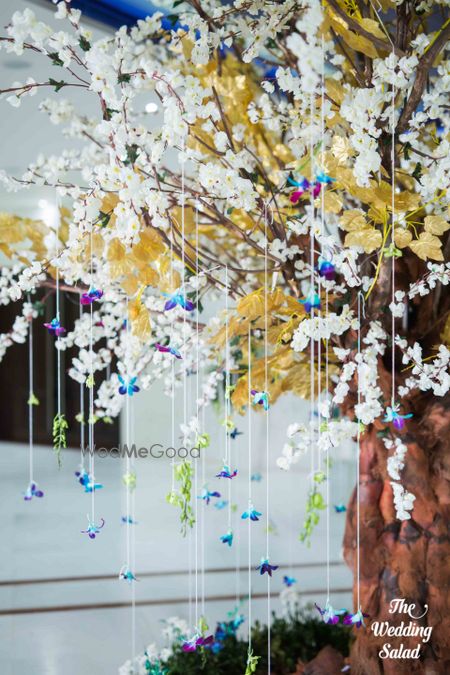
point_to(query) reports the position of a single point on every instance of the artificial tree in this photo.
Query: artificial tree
(289, 135)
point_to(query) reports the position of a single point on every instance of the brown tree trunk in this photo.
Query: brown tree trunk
(409, 559)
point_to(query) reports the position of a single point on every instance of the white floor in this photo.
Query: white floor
(42, 539)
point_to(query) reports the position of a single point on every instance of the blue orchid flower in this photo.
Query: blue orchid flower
(356, 619)
(206, 495)
(289, 581)
(311, 301)
(221, 505)
(226, 472)
(130, 388)
(92, 529)
(127, 575)
(326, 269)
(128, 520)
(32, 491)
(340, 508)
(260, 398)
(227, 538)
(178, 298)
(256, 477)
(330, 615)
(393, 415)
(251, 513)
(235, 433)
(324, 178)
(266, 568)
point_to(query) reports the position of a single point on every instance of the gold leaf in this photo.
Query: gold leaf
(355, 41)
(332, 202)
(436, 225)
(427, 246)
(130, 284)
(368, 239)
(407, 201)
(402, 237)
(341, 149)
(139, 319)
(252, 306)
(352, 220)
(373, 27)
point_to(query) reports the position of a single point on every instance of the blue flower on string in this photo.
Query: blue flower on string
(32, 491)
(330, 615)
(178, 298)
(340, 508)
(93, 529)
(256, 478)
(197, 641)
(356, 619)
(127, 575)
(226, 472)
(324, 178)
(227, 538)
(235, 433)
(92, 295)
(54, 328)
(82, 476)
(128, 520)
(266, 568)
(221, 505)
(289, 581)
(251, 513)
(130, 388)
(393, 415)
(206, 495)
(311, 301)
(90, 485)
(326, 269)
(168, 350)
(260, 398)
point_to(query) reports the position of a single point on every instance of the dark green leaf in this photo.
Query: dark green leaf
(58, 85)
(85, 45)
(55, 59)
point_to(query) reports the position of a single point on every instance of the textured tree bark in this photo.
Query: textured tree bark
(409, 559)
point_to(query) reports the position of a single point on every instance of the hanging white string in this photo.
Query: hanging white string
(358, 439)
(249, 485)
(133, 538)
(227, 394)
(328, 487)
(197, 407)
(128, 459)
(266, 389)
(311, 291)
(82, 420)
(58, 318)
(203, 512)
(91, 392)
(393, 240)
(30, 397)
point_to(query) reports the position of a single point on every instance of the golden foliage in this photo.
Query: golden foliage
(427, 246)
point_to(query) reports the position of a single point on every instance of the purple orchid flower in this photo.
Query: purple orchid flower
(302, 185)
(316, 189)
(82, 476)
(206, 495)
(251, 513)
(168, 350)
(129, 388)
(260, 398)
(328, 614)
(93, 529)
(393, 415)
(310, 302)
(226, 472)
(356, 619)
(178, 298)
(266, 568)
(32, 491)
(326, 269)
(92, 295)
(227, 538)
(54, 328)
(197, 641)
